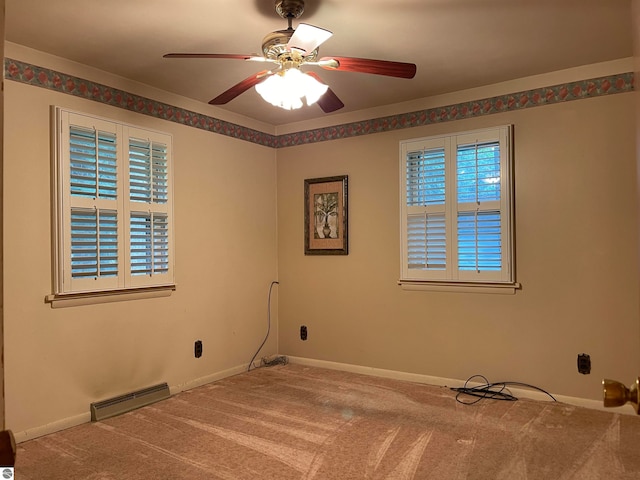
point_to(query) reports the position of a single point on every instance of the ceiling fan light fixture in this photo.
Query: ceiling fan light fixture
(286, 89)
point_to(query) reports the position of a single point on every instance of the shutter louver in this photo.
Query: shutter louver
(479, 241)
(92, 167)
(425, 177)
(141, 244)
(94, 243)
(149, 243)
(148, 171)
(478, 172)
(426, 242)
(160, 244)
(139, 170)
(160, 173)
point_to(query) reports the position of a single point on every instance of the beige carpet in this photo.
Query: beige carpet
(294, 422)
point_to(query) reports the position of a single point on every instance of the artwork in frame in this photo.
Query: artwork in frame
(326, 227)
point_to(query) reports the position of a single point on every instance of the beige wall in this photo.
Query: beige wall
(577, 239)
(635, 20)
(58, 361)
(2, 10)
(576, 256)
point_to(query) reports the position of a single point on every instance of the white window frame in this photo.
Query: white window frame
(451, 275)
(67, 284)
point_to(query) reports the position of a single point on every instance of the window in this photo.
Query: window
(456, 208)
(113, 206)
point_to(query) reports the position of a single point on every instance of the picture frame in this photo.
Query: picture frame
(326, 225)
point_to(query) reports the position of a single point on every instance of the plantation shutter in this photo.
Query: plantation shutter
(426, 239)
(90, 234)
(479, 219)
(424, 219)
(150, 218)
(456, 208)
(113, 206)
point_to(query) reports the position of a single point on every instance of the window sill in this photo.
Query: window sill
(460, 287)
(61, 300)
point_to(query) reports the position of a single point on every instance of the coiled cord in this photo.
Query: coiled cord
(495, 391)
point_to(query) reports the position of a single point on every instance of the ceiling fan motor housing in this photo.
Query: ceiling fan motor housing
(274, 47)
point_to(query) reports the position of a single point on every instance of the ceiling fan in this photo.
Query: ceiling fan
(291, 49)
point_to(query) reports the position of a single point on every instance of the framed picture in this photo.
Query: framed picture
(326, 227)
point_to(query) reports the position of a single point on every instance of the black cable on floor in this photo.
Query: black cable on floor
(268, 325)
(495, 391)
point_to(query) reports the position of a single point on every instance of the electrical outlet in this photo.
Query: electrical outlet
(584, 364)
(197, 349)
(303, 332)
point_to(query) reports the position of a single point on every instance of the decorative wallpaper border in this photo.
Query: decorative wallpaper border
(79, 87)
(595, 87)
(50, 79)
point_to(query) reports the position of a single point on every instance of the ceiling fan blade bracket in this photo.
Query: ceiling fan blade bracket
(329, 63)
(366, 65)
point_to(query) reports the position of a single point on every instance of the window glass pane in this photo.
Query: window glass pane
(425, 177)
(478, 172)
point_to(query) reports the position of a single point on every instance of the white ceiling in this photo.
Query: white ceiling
(456, 44)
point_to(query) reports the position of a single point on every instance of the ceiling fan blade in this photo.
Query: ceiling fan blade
(241, 87)
(329, 102)
(365, 65)
(215, 55)
(307, 38)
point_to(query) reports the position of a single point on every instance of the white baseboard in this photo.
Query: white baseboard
(52, 427)
(452, 382)
(69, 422)
(198, 382)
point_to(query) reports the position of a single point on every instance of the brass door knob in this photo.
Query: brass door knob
(617, 394)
